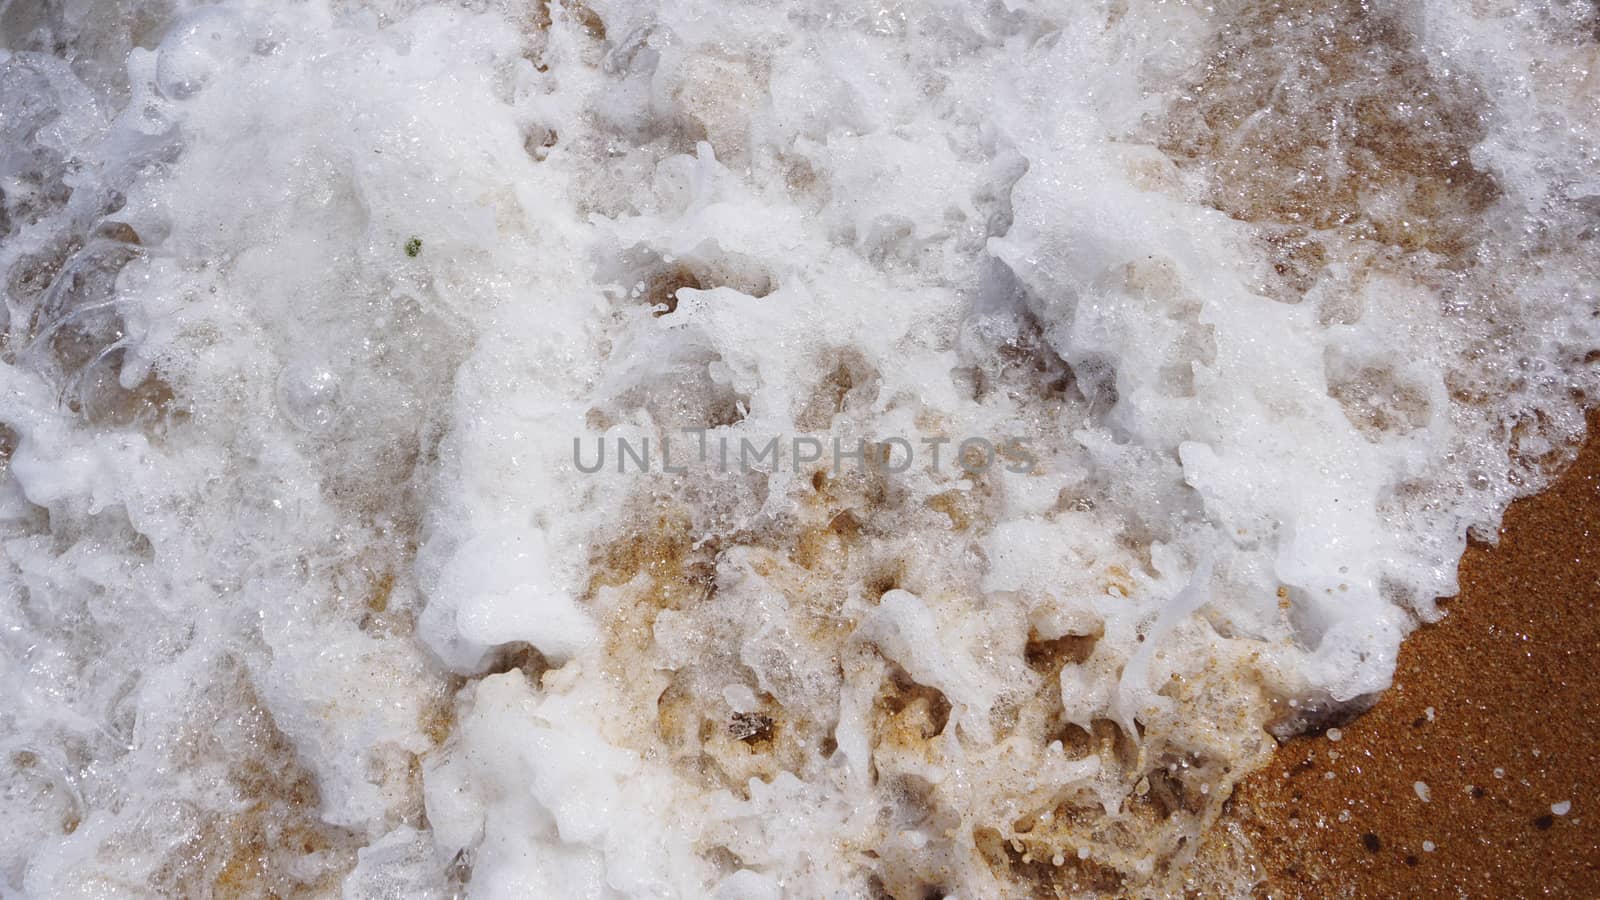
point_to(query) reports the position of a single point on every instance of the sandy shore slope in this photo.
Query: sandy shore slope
(1494, 719)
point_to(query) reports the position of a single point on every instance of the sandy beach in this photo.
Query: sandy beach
(676, 449)
(1475, 775)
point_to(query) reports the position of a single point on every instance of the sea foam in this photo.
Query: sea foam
(304, 591)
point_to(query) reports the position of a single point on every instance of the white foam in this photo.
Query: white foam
(307, 307)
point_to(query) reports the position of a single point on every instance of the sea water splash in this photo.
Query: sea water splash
(306, 304)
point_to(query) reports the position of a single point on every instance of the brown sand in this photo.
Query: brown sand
(1509, 676)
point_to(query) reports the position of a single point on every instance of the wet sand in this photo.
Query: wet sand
(1496, 710)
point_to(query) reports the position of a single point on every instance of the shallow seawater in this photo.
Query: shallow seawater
(506, 449)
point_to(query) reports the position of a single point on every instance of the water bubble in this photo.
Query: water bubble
(192, 54)
(308, 395)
